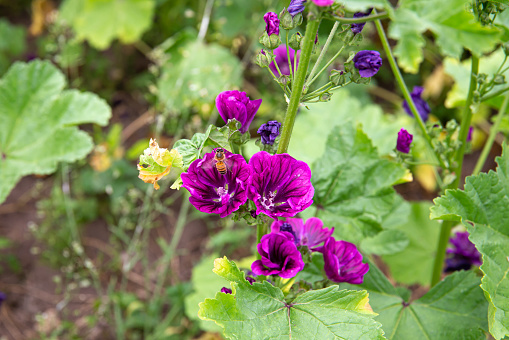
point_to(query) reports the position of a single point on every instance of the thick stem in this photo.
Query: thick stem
(262, 228)
(491, 138)
(324, 50)
(300, 77)
(445, 233)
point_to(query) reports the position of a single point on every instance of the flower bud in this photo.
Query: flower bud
(287, 21)
(404, 140)
(499, 79)
(272, 23)
(325, 97)
(337, 77)
(263, 59)
(481, 78)
(295, 41)
(270, 42)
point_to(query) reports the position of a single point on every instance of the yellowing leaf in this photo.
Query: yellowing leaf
(156, 162)
(426, 177)
(41, 10)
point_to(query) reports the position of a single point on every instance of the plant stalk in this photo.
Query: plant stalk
(373, 17)
(324, 50)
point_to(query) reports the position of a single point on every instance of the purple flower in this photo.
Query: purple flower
(323, 2)
(282, 60)
(367, 62)
(212, 192)
(280, 256)
(237, 105)
(272, 22)
(269, 131)
(309, 234)
(420, 104)
(404, 141)
(296, 7)
(343, 262)
(357, 28)
(250, 279)
(226, 290)
(463, 255)
(280, 185)
(470, 131)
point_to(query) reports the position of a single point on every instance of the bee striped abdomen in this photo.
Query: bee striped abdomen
(221, 167)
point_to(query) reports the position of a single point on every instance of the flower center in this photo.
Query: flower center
(221, 192)
(268, 202)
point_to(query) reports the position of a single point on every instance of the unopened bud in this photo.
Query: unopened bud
(295, 41)
(288, 22)
(337, 77)
(325, 97)
(481, 78)
(284, 79)
(270, 42)
(499, 79)
(263, 59)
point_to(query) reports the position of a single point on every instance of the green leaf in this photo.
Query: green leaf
(37, 122)
(190, 149)
(199, 76)
(455, 28)
(415, 262)
(353, 185)
(484, 203)
(12, 47)
(102, 21)
(385, 242)
(363, 5)
(259, 311)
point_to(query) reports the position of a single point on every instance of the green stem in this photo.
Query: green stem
(262, 228)
(404, 90)
(317, 92)
(491, 138)
(324, 50)
(326, 66)
(300, 77)
(495, 94)
(373, 17)
(443, 241)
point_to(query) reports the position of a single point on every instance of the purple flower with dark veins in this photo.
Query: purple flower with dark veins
(367, 62)
(212, 192)
(280, 256)
(296, 7)
(272, 23)
(463, 255)
(309, 234)
(404, 141)
(421, 105)
(280, 185)
(269, 131)
(226, 290)
(357, 28)
(281, 58)
(237, 105)
(343, 262)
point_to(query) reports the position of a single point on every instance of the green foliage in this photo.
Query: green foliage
(100, 22)
(484, 203)
(385, 242)
(259, 311)
(353, 185)
(12, 47)
(454, 27)
(232, 18)
(363, 5)
(38, 122)
(415, 262)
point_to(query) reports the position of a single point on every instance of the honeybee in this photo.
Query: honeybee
(220, 162)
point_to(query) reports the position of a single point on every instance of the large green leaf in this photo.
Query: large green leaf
(454, 27)
(353, 185)
(102, 21)
(259, 311)
(484, 203)
(37, 122)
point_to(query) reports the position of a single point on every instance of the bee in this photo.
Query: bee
(220, 161)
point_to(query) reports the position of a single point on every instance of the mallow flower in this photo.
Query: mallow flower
(343, 262)
(404, 141)
(309, 234)
(323, 2)
(212, 192)
(357, 28)
(281, 58)
(463, 255)
(237, 105)
(280, 185)
(272, 23)
(367, 62)
(269, 131)
(296, 6)
(280, 256)
(421, 105)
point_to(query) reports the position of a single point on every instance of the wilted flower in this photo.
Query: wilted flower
(470, 131)
(296, 7)
(226, 290)
(404, 141)
(280, 184)
(237, 105)
(343, 262)
(420, 104)
(309, 234)
(323, 2)
(212, 192)
(282, 60)
(357, 28)
(463, 255)
(269, 131)
(280, 256)
(272, 23)
(367, 62)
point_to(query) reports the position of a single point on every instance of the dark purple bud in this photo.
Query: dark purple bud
(3, 297)
(404, 141)
(280, 185)
(343, 262)
(470, 132)
(421, 105)
(282, 60)
(250, 279)
(269, 131)
(463, 255)
(226, 290)
(367, 62)
(262, 52)
(280, 256)
(316, 38)
(357, 28)
(309, 234)
(272, 23)
(215, 193)
(237, 105)
(296, 7)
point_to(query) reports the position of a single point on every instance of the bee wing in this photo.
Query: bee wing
(209, 164)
